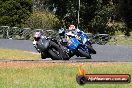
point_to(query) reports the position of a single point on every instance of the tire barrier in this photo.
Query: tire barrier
(100, 39)
(17, 33)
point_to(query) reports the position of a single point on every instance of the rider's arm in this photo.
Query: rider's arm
(35, 45)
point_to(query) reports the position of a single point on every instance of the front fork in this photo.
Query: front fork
(84, 48)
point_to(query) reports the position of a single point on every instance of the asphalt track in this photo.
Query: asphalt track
(105, 53)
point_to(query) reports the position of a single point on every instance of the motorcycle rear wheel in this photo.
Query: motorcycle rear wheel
(54, 55)
(54, 51)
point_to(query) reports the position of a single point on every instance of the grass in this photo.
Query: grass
(52, 75)
(18, 55)
(62, 75)
(121, 40)
(121, 33)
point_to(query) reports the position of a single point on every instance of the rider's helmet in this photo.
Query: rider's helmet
(37, 36)
(72, 27)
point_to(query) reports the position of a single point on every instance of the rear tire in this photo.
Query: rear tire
(54, 55)
(57, 52)
(54, 51)
(64, 54)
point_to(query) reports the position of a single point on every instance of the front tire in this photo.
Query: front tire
(43, 55)
(91, 49)
(84, 54)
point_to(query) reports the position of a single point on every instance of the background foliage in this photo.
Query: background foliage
(42, 20)
(96, 16)
(14, 12)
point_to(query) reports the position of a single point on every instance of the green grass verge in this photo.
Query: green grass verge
(51, 75)
(18, 55)
(121, 40)
(121, 33)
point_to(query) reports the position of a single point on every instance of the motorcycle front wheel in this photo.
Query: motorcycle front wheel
(84, 53)
(91, 49)
(44, 55)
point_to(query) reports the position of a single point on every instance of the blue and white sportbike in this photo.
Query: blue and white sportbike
(75, 47)
(83, 38)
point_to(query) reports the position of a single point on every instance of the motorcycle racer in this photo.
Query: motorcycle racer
(71, 32)
(37, 36)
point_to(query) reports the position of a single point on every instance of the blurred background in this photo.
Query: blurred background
(105, 21)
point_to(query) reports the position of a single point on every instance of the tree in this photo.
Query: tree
(125, 9)
(66, 11)
(104, 16)
(42, 20)
(95, 15)
(14, 12)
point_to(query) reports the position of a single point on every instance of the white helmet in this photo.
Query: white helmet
(37, 36)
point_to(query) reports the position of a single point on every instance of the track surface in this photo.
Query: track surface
(104, 52)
